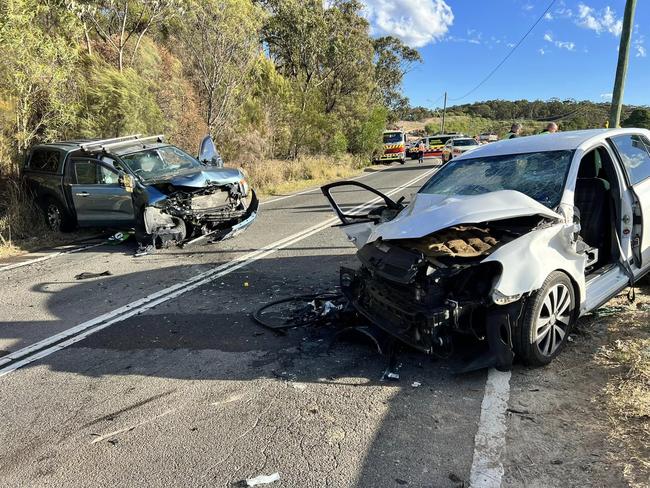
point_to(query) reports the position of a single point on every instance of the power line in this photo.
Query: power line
(514, 48)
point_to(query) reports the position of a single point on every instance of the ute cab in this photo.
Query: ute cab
(394, 147)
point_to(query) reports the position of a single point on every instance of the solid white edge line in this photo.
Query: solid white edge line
(89, 327)
(490, 441)
(7, 267)
(317, 189)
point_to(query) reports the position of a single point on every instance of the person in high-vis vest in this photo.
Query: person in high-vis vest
(421, 148)
(551, 128)
(515, 131)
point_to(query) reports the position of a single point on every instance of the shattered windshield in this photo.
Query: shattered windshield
(539, 175)
(160, 162)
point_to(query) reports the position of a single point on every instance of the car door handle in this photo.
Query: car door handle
(83, 194)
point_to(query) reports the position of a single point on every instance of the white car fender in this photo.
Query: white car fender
(528, 260)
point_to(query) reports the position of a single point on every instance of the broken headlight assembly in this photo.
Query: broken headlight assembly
(500, 299)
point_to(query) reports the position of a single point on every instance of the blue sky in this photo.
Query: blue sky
(572, 53)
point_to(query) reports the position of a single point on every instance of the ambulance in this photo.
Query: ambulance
(433, 145)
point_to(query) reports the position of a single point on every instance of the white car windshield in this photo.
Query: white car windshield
(539, 175)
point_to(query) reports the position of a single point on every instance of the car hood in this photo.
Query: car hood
(429, 213)
(202, 178)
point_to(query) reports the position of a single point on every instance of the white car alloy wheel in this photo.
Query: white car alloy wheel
(549, 315)
(553, 319)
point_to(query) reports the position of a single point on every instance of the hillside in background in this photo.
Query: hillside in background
(498, 115)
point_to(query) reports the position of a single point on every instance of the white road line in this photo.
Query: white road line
(75, 334)
(7, 267)
(490, 440)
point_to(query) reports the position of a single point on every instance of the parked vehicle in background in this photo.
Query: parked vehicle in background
(125, 182)
(509, 243)
(434, 144)
(457, 146)
(488, 137)
(394, 147)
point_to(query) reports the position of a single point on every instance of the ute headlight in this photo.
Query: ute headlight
(243, 186)
(501, 299)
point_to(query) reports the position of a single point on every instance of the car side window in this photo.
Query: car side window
(107, 176)
(88, 172)
(635, 155)
(45, 160)
(85, 172)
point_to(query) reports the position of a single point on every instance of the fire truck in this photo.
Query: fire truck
(394, 147)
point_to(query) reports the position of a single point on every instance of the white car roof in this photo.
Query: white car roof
(560, 141)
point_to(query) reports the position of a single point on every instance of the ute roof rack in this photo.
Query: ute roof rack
(106, 145)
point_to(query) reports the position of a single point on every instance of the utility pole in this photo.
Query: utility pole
(444, 111)
(621, 68)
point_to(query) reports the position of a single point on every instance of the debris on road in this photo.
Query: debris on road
(263, 479)
(119, 237)
(416, 384)
(86, 275)
(300, 311)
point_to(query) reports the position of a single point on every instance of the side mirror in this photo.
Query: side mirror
(208, 153)
(126, 182)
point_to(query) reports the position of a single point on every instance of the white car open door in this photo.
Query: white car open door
(357, 210)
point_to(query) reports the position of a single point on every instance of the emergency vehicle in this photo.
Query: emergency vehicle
(433, 144)
(394, 147)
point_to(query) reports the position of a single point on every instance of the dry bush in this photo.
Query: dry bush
(274, 176)
(20, 216)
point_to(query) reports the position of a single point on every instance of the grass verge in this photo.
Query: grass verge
(627, 393)
(276, 177)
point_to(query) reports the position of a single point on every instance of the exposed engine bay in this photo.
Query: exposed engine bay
(423, 290)
(189, 215)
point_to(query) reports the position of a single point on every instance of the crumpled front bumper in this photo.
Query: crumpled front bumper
(415, 325)
(247, 219)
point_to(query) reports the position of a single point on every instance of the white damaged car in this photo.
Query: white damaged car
(510, 244)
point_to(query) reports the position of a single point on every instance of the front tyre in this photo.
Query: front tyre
(550, 314)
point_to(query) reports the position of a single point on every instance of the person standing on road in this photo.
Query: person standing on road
(551, 128)
(421, 149)
(515, 131)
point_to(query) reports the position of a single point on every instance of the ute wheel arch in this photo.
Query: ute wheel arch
(533, 340)
(57, 218)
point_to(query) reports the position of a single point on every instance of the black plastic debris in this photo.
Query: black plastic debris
(86, 275)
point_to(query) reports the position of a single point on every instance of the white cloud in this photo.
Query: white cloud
(606, 96)
(568, 45)
(548, 16)
(541, 51)
(604, 20)
(528, 7)
(416, 22)
(510, 44)
(638, 46)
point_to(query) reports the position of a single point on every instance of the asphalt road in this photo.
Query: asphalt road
(175, 385)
